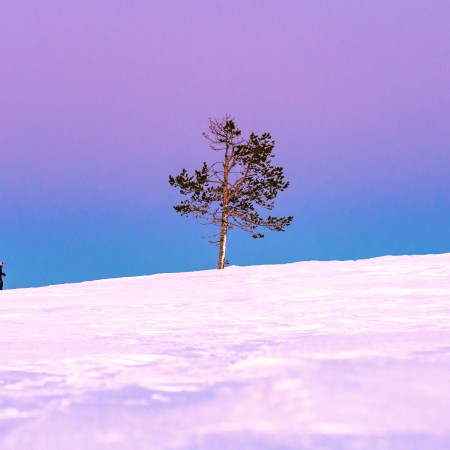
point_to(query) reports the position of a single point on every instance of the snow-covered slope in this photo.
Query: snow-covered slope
(311, 355)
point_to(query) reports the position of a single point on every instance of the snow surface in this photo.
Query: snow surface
(311, 355)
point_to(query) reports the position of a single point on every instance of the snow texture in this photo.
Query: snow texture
(311, 355)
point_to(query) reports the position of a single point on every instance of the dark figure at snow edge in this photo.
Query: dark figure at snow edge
(1, 275)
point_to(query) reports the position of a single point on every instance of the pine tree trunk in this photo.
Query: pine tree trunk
(223, 241)
(224, 224)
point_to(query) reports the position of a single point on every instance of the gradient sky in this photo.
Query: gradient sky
(101, 100)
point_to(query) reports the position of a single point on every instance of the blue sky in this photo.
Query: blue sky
(101, 102)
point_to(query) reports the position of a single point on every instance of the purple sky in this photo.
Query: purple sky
(100, 101)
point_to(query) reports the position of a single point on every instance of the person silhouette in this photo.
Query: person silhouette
(1, 275)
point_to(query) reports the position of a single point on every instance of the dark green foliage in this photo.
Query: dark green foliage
(232, 192)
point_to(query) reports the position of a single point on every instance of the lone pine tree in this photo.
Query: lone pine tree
(231, 192)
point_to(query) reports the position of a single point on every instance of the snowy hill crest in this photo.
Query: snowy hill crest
(306, 355)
